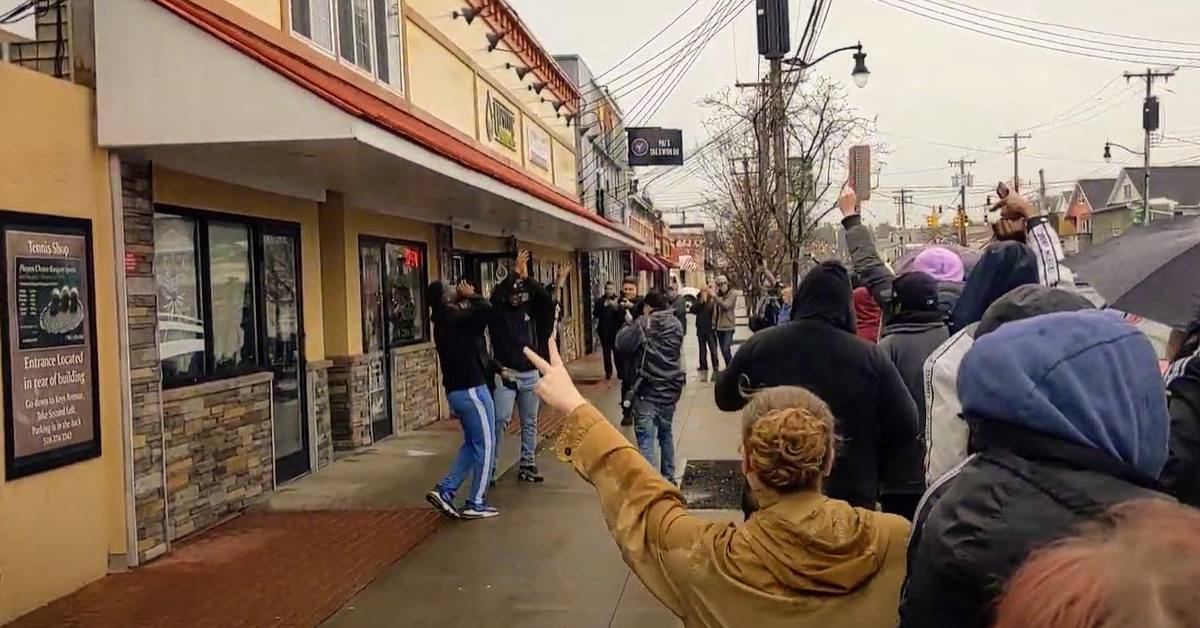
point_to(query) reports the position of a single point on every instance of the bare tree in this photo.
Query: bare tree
(820, 127)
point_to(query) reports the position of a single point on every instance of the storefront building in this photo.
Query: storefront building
(251, 197)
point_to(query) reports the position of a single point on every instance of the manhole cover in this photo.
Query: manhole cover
(713, 484)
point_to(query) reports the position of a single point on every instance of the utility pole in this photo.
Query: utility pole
(1045, 206)
(963, 181)
(1016, 138)
(902, 202)
(1149, 124)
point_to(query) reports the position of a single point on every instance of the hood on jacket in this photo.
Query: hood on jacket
(1004, 266)
(939, 262)
(814, 545)
(948, 295)
(1086, 377)
(1026, 302)
(824, 295)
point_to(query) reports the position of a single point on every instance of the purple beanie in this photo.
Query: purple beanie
(940, 262)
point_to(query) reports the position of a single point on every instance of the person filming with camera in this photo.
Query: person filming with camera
(652, 343)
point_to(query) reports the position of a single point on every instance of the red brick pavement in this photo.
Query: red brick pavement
(261, 569)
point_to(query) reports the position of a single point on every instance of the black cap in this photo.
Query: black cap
(916, 291)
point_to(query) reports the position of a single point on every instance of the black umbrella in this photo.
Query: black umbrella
(1150, 270)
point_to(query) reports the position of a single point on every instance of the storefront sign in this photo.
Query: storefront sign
(51, 394)
(501, 123)
(655, 146)
(537, 146)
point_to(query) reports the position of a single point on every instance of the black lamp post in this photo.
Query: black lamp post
(860, 73)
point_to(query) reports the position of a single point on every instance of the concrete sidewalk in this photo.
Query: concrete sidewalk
(548, 560)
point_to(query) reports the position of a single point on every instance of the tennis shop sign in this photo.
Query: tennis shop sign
(655, 146)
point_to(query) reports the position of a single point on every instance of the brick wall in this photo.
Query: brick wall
(318, 382)
(218, 450)
(349, 411)
(141, 302)
(415, 387)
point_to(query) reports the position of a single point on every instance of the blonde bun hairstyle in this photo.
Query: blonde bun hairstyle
(788, 438)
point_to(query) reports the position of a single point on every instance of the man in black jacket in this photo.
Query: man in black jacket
(915, 326)
(609, 319)
(819, 351)
(631, 308)
(1068, 419)
(459, 319)
(523, 317)
(1181, 475)
(655, 341)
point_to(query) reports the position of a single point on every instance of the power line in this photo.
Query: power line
(649, 41)
(990, 30)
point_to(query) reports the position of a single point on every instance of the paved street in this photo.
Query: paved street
(548, 560)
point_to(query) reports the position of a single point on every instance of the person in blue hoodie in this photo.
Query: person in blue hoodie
(1068, 417)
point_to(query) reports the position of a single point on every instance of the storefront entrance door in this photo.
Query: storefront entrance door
(370, 256)
(284, 345)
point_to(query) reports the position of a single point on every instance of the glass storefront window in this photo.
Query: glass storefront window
(372, 296)
(180, 311)
(231, 292)
(405, 294)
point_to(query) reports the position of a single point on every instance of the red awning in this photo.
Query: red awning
(642, 261)
(666, 263)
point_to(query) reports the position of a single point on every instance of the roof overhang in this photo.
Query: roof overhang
(219, 100)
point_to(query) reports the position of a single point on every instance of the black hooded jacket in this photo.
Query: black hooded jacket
(457, 335)
(1004, 266)
(1181, 476)
(512, 328)
(819, 351)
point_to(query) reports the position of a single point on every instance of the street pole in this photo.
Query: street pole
(1149, 125)
(1045, 207)
(962, 205)
(1016, 138)
(779, 161)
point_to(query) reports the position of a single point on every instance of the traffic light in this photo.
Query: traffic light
(934, 220)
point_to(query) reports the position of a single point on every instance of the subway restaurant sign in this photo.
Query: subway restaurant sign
(51, 413)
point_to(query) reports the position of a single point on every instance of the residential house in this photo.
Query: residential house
(1174, 190)
(1088, 197)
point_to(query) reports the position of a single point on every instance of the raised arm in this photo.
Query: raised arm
(863, 254)
(645, 513)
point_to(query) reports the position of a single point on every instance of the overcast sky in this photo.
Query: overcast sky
(931, 83)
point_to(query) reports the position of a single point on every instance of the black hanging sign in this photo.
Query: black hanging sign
(655, 146)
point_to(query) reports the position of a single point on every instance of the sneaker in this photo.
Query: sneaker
(530, 474)
(480, 512)
(443, 503)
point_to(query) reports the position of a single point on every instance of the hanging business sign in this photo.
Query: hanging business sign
(51, 396)
(655, 146)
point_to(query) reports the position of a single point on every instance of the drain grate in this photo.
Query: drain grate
(713, 484)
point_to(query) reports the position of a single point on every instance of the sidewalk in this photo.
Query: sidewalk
(300, 554)
(548, 560)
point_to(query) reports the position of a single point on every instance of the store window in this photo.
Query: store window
(364, 33)
(393, 280)
(210, 301)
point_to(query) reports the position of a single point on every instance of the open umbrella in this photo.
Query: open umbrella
(1151, 270)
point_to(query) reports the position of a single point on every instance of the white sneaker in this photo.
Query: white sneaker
(479, 512)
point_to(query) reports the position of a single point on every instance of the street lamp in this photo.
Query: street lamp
(1108, 150)
(860, 73)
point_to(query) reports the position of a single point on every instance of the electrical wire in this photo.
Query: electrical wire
(990, 30)
(649, 41)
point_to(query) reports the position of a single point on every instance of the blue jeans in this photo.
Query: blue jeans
(652, 422)
(477, 456)
(527, 404)
(725, 340)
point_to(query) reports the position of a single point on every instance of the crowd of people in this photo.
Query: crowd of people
(991, 449)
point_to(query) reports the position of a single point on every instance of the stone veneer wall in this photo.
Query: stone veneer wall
(349, 409)
(149, 490)
(415, 387)
(219, 451)
(318, 386)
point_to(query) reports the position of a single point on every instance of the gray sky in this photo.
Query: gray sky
(931, 83)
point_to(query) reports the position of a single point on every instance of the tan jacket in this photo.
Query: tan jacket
(726, 314)
(805, 560)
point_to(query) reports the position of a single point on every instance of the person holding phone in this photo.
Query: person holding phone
(459, 319)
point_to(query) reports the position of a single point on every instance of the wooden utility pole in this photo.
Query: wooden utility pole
(902, 202)
(963, 182)
(1016, 138)
(1149, 125)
